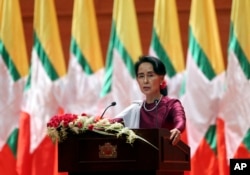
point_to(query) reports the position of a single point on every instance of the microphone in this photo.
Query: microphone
(156, 120)
(112, 104)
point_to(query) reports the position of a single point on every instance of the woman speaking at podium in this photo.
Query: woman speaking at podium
(157, 110)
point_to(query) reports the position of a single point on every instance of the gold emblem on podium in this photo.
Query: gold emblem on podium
(107, 151)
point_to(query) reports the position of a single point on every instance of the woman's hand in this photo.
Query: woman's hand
(175, 136)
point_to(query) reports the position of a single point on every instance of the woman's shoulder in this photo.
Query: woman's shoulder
(168, 100)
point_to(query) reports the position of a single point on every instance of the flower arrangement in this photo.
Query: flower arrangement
(60, 125)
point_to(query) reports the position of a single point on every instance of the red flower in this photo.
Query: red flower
(65, 119)
(83, 114)
(54, 121)
(91, 127)
(79, 125)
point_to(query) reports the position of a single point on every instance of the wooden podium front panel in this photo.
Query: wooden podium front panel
(94, 154)
(83, 153)
(171, 159)
(175, 160)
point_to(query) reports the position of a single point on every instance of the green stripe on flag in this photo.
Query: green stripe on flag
(183, 85)
(246, 140)
(200, 57)
(28, 82)
(234, 45)
(211, 138)
(12, 141)
(157, 46)
(115, 43)
(48, 67)
(109, 64)
(9, 63)
(80, 57)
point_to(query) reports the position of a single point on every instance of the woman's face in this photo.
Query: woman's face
(149, 82)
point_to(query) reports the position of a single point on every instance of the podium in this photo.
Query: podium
(91, 153)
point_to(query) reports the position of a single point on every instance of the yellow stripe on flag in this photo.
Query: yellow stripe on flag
(1, 5)
(241, 27)
(124, 20)
(85, 32)
(167, 29)
(211, 43)
(12, 30)
(49, 35)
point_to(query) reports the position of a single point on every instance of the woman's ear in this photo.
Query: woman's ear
(163, 84)
(162, 79)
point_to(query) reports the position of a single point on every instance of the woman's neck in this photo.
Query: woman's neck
(153, 98)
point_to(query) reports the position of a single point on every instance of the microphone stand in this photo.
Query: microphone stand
(112, 104)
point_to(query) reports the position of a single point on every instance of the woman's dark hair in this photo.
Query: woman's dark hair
(158, 67)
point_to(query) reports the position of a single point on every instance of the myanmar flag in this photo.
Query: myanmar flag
(86, 66)
(36, 153)
(166, 43)
(13, 72)
(236, 100)
(124, 49)
(204, 87)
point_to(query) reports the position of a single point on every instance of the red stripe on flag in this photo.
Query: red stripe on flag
(204, 161)
(45, 157)
(242, 152)
(23, 154)
(221, 147)
(7, 161)
(43, 161)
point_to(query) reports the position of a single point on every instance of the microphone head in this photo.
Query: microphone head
(113, 103)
